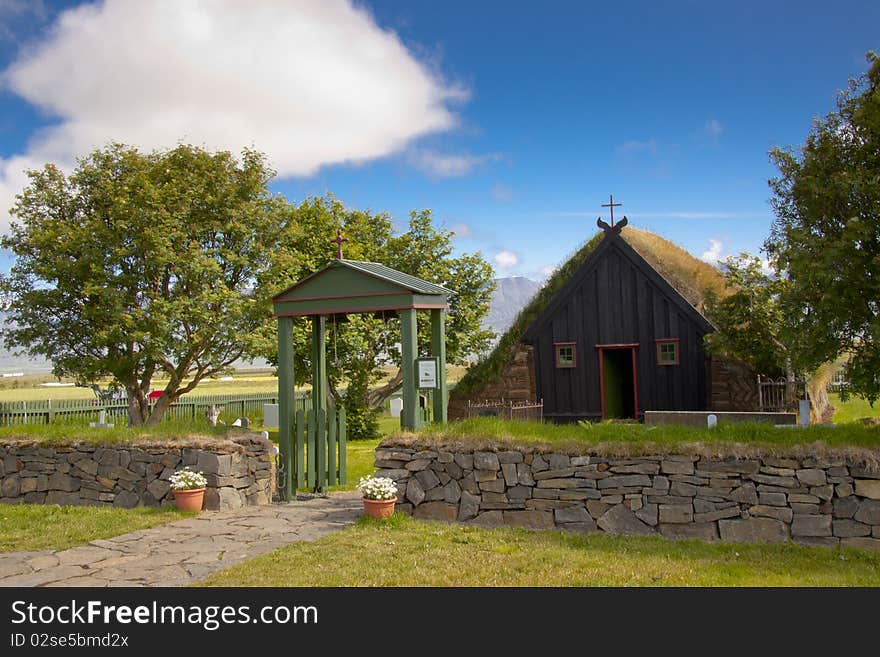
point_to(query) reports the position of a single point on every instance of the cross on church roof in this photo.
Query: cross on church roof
(611, 204)
(338, 242)
(612, 228)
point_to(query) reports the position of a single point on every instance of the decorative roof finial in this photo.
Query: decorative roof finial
(338, 242)
(612, 228)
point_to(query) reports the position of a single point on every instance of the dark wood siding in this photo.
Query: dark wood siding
(617, 298)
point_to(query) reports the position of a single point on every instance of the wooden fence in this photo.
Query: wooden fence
(780, 394)
(190, 406)
(512, 410)
(319, 440)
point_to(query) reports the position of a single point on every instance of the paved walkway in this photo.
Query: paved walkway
(185, 551)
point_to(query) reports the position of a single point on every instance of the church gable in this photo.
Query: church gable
(620, 314)
(607, 283)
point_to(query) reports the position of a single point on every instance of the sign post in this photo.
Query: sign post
(426, 370)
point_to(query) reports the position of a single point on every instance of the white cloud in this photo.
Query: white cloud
(461, 229)
(634, 146)
(502, 193)
(506, 259)
(548, 271)
(310, 83)
(713, 128)
(713, 253)
(442, 165)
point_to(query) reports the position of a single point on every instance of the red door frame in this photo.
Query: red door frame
(632, 347)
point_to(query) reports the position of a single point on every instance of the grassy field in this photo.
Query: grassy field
(405, 552)
(53, 527)
(853, 409)
(65, 431)
(619, 438)
(29, 388)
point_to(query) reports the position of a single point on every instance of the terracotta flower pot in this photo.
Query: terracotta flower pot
(379, 509)
(189, 500)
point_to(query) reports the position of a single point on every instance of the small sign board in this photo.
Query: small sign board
(426, 371)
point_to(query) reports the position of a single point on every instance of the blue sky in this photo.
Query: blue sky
(513, 121)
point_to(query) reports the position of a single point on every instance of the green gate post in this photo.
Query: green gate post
(409, 349)
(319, 364)
(438, 351)
(285, 403)
(319, 401)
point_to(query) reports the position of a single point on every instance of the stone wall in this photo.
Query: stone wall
(814, 500)
(515, 383)
(240, 471)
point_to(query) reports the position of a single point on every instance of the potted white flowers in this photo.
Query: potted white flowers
(380, 495)
(189, 489)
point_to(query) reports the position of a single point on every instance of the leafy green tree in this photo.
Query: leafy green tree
(359, 346)
(826, 236)
(750, 323)
(138, 265)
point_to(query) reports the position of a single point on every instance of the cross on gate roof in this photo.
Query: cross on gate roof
(338, 242)
(353, 286)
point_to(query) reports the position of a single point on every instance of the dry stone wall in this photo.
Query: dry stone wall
(816, 500)
(240, 472)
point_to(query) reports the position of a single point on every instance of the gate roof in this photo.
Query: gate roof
(353, 286)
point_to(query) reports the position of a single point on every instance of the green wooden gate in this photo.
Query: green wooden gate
(319, 449)
(312, 444)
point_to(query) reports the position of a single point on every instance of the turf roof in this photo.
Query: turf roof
(690, 276)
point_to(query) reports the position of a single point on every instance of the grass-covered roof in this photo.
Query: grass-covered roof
(690, 276)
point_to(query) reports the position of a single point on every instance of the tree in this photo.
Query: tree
(360, 346)
(138, 264)
(826, 235)
(750, 324)
(753, 324)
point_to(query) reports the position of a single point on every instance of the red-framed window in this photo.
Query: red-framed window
(566, 354)
(668, 351)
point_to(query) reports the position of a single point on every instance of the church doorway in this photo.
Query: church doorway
(618, 381)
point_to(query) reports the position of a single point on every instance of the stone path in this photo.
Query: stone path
(185, 551)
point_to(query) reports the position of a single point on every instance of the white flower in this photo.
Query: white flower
(377, 488)
(187, 479)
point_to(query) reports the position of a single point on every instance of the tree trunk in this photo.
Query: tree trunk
(375, 398)
(137, 407)
(821, 410)
(161, 406)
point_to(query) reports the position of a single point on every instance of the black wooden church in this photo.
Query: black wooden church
(618, 339)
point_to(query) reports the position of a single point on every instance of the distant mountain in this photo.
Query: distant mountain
(509, 297)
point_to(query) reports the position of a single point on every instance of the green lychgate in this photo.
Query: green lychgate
(312, 443)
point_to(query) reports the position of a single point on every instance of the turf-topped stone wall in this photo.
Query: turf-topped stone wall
(240, 472)
(825, 500)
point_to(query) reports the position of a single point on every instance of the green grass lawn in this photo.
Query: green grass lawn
(53, 527)
(619, 438)
(405, 552)
(78, 430)
(853, 409)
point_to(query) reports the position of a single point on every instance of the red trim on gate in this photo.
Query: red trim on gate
(677, 342)
(632, 347)
(574, 358)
